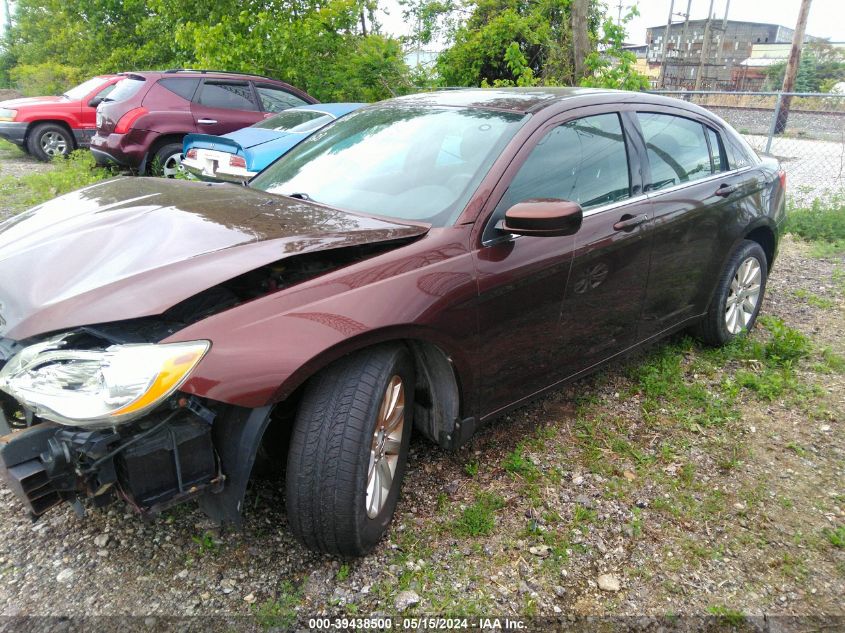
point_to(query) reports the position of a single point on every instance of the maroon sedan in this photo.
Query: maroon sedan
(424, 263)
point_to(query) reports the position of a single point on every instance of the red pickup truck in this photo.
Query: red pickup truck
(53, 126)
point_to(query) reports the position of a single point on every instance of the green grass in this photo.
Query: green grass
(343, 573)
(471, 468)
(835, 537)
(281, 612)
(479, 519)
(729, 616)
(67, 174)
(206, 544)
(822, 224)
(823, 303)
(516, 463)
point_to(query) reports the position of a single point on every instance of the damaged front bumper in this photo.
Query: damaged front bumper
(157, 462)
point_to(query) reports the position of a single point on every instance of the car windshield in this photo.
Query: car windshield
(295, 121)
(85, 87)
(403, 161)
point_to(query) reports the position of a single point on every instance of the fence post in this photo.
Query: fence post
(774, 122)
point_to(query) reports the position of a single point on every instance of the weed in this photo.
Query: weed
(786, 344)
(517, 464)
(797, 449)
(206, 543)
(343, 573)
(823, 303)
(479, 519)
(831, 362)
(727, 615)
(836, 536)
(471, 468)
(281, 612)
(822, 223)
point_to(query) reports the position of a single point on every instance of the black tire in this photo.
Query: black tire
(330, 452)
(162, 161)
(49, 140)
(713, 328)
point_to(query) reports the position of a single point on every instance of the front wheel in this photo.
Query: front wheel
(738, 297)
(46, 141)
(348, 451)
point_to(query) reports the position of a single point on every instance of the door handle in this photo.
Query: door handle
(206, 121)
(630, 222)
(725, 190)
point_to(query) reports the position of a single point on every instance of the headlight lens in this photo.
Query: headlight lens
(7, 114)
(98, 388)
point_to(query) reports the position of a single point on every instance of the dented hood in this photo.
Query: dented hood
(134, 247)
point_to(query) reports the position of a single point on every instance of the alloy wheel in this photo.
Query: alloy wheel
(53, 144)
(172, 166)
(744, 295)
(385, 447)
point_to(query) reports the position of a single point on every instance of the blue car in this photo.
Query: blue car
(240, 155)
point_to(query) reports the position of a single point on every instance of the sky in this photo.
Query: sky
(827, 17)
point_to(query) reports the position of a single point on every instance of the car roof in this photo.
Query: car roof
(530, 100)
(158, 74)
(335, 109)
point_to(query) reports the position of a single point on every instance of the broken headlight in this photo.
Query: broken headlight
(97, 388)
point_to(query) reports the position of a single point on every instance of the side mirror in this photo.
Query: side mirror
(95, 101)
(543, 217)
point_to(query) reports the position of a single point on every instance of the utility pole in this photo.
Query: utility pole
(682, 54)
(8, 13)
(792, 66)
(704, 45)
(580, 38)
(661, 82)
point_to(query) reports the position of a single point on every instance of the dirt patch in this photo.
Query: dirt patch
(8, 93)
(670, 484)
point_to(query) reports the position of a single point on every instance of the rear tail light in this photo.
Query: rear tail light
(782, 176)
(192, 153)
(128, 120)
(237, 161)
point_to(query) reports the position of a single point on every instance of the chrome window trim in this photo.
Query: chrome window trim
(638, 198)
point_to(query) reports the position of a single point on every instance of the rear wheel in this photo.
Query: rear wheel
(48, 140)
(167, 161)
(738, 297)
(348, 451)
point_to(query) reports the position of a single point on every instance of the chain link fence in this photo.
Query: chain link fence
(804, 131)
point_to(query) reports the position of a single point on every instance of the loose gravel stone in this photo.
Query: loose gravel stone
(608, 582)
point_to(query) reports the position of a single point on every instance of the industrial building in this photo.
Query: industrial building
(726, 44)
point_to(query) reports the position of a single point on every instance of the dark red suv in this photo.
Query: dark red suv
(142, 123)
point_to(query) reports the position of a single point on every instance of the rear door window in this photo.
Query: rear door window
(185, 87)
(227, 95)
(677, 150)
(274, 99)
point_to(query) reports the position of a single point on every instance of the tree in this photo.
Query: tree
(611, 66)
(822, 64)
(527, 42)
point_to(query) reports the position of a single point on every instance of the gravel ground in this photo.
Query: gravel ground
(15, 163)
(586, 502)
